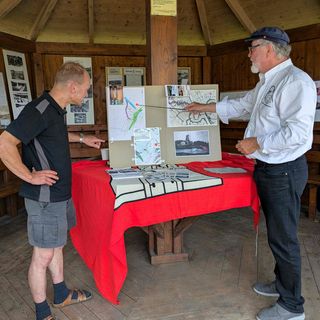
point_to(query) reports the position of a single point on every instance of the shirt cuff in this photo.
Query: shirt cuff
(221, 109)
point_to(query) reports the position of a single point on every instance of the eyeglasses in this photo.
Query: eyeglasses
(253, 47)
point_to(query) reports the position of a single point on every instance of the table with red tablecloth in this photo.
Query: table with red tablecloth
(99, 233)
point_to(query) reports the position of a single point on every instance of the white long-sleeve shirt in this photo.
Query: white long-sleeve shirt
(282, 108)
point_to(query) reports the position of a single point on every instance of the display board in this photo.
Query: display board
(121, 153)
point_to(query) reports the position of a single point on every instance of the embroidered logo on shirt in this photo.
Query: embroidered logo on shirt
(268, 98)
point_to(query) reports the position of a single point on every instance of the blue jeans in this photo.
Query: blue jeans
(280, 188)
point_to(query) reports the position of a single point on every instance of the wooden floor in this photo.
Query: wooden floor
(215, 284)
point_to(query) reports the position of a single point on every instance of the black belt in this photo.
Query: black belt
(262, 164)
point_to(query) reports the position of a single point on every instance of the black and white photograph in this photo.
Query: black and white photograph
(21, 98)
(19, 86)
(191, 143)
(84, 107)
(80, 118)
(15, 61)
(17, 75)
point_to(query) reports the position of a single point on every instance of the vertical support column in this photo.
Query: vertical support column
(162, 63)
(162, 50)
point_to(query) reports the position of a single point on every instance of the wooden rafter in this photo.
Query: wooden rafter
(90, 20)
(42, 18)
(241, 15)
(7, 6)
(204, 22)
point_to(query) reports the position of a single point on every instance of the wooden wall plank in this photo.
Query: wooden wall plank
(38, 73)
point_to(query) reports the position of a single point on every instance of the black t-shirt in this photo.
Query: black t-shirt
(43, 132)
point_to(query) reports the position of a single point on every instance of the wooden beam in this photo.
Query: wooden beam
(192, 51)
(241, 15)
(296, 35)
(204, 22)
(42, 18)
(14, 43)
(90, 49)
(90, 20)
(7, 6)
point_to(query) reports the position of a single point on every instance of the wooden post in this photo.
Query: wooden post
(162, 50)
(162, 66)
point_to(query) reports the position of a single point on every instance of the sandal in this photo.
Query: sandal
(51, 317)
(81, 296)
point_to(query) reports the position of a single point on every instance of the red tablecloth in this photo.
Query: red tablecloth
(99, 233)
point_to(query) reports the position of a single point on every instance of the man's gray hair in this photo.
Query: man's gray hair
(281, 50)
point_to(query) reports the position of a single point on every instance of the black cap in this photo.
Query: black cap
(273, 34)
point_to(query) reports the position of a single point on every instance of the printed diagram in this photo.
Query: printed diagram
(124, 118)
(177, 116)
(146, 144)
(132, 112)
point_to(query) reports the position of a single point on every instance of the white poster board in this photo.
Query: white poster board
(122, 152)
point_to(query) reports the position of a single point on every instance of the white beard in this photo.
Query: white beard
(254, 68)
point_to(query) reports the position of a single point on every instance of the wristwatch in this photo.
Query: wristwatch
(81, 137)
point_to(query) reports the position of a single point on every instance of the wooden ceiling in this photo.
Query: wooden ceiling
(200, 22)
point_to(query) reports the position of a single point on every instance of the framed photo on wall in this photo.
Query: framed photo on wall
(5, 117)
(184, 75)
(83, 114)
(18, 81)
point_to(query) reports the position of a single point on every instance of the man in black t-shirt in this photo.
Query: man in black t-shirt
(45, 168)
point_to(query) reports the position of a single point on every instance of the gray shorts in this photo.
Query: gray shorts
(49, 222)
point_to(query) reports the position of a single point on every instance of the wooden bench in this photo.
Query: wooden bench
(313, 157)
(9, 188)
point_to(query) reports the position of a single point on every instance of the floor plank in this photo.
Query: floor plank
(214, 284)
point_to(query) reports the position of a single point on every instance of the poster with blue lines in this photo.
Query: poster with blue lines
(126, 111)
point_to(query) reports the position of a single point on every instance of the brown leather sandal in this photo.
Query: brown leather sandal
(82, 295)
(51, 317)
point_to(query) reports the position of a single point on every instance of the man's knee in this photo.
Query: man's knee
(42, 256)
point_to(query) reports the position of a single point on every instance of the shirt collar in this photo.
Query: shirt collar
(276, 69)
(53, 102)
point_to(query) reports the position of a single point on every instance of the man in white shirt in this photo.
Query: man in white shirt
(282, 108)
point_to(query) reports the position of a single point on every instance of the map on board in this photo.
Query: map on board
(177, 116)
(128, 114)
(146, 143)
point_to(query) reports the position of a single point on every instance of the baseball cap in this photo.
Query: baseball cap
(273, 34)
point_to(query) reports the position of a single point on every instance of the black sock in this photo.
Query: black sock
(42, 310)
(60, 292)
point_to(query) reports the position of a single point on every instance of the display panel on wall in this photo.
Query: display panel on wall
(184, 75)
(18, 81)
(4, 107)
(125, 76)
(83, 114)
